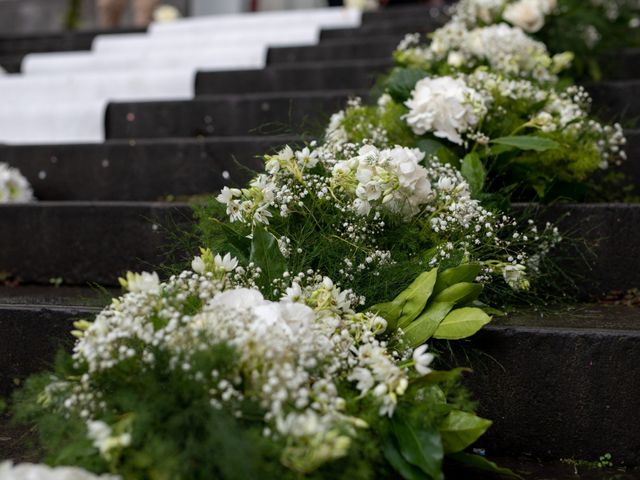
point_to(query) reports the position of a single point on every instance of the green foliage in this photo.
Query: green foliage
(474, 173)
(462, 323)
(266, 255)
(459, 430)
(481, 464)
(418, 447)
(527, 142)
(401, 82)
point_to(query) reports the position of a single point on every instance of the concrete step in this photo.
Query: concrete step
(79, 243)
(617, 100)
(144, 170)
(377, 48)
(312, 76)
(220, 115)
(560, 384)
(13, 44)
(384, 29)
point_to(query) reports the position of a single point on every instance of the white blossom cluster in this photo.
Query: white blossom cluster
(14, 188)
(29, 471)
(444, 106)
(294, 355)
(529, 15)
(503, 48)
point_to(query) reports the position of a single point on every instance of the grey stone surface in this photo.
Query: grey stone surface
(215, 115)
(556, 388)
(144, 170)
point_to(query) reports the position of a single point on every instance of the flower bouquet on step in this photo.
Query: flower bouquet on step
(591, 29)
(204, 377)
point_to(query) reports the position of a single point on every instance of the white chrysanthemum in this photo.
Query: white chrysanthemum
(29, 471)
(444, 106)
(14, 187)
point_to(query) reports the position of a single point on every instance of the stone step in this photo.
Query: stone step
(617, 100)
(144, 170)
(384, 29)
(154, 169)
(95, 242)
(80, 243)
(312, 76)
(221, 115)
(13, 44)
(375, 48)
(560, 384)
(557, 384)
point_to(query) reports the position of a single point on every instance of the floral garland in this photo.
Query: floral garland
(307, 338)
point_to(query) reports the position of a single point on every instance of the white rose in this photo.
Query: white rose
(526, 14)
(455, 59)
(29, 471)
(445, 106)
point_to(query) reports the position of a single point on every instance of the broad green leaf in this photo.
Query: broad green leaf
(397, 461)
(419, 447)
(401, 82)
(439, 376)
(527, 142)
(390, 311)
(433, 147)
(480, 463)
(423, 327)
(266, 254)
(415, 297)
(461, 429)
(461, 323)
(462, 292)
(473, 172)
(467, 272)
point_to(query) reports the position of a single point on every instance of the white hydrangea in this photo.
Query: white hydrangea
(392, 178)
(29, 471)
(14, 187)
(444, 106)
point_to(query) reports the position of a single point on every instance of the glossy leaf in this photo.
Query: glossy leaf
(401, 82)
(419, 447)
(462, 323)
(461, 429)
(458, 293)
(439, 376)
(473, 172)
(423, 327)
(480, 463)
(413, 300)
(467, 272)
(527, 142)
(390, 311)
(400, 465)
(266, 254)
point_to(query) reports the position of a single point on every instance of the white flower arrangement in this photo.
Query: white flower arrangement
(29, 471)
(445, 106)
(14, 187)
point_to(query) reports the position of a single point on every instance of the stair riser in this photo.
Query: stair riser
(144, 171)
(391, 28)
(313, 77)
(556, 393)
(34, 337)
(206, 117)
(366, 49)
(617, 100)
(87, 243)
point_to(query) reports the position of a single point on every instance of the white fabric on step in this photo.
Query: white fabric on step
(302, 35)
(323, 17)
(203, 58)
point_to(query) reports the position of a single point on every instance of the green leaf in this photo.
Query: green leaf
(439, 376)
(390, 311)
(419, 447)
(266, 254)
(473, 172)
(413, 300)
(480, 463)
(433, 147)
(462, 323)
(402, 81)
(467, 272)
(527, 142)
(397, 461)
(423, 327)
(462, 292)
(460, 429)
